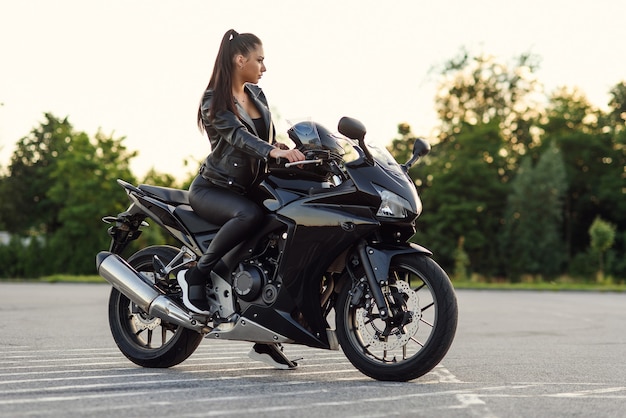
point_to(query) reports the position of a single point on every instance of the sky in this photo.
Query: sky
(137, 68)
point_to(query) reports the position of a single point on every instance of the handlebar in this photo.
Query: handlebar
(318, 161)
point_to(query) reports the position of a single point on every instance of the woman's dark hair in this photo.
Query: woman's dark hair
(233, 44)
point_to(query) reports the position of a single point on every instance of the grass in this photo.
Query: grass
(560, 284)
(547, 286)
(65, 278)
(536, 282)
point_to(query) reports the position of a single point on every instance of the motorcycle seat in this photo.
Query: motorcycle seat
(193, 222)
(167, 194)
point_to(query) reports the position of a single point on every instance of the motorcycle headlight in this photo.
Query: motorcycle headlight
(392, 205)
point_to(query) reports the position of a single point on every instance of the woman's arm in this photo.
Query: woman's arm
(231, 129)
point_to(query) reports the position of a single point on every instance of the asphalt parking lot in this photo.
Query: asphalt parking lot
(516, 354)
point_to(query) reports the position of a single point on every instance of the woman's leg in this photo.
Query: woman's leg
(238, 216)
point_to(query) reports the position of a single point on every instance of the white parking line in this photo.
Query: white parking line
(588, 392)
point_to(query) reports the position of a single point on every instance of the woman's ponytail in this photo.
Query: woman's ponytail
(232, 44)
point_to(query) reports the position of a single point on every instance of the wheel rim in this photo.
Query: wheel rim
(145, 332)
(397, 339)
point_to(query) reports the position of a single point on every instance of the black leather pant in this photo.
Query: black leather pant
(238, 215)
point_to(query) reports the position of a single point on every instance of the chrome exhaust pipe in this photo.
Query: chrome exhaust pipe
(115, 270)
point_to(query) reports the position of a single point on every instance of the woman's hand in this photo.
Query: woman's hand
(293, 155)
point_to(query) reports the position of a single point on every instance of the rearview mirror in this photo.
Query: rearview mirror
(354, 129)
(420, 148)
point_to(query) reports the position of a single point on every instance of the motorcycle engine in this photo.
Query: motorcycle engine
(248, 282)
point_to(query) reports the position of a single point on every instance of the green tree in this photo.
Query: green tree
(594, 162)
(532, 241)
(156, 178)
(59, 185)
(602, 236)
(11, 261)
(479, 88)
(617, 125)
(24, 206)
(617, 105)
(463, 196)
(461, 261)
(480, 95)
(487, 110)
(84, 186)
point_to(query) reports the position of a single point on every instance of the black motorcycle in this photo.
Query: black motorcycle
(331, 267)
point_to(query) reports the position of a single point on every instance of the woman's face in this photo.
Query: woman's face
(252, 66)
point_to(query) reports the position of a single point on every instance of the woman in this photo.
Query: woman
(235, 115)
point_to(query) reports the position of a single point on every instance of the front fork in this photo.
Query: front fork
(375, 275)
(376, 263)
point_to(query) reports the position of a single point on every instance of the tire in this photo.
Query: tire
(145, 340)
(418, 289)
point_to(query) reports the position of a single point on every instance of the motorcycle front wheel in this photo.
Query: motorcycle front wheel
(419, 330)
(144, 339)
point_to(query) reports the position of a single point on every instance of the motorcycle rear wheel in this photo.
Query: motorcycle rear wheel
(397, 349)
(145, 340)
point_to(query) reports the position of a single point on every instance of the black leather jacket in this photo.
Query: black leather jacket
(237, 153)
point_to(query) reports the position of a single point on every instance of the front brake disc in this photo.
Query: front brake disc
(372, 329)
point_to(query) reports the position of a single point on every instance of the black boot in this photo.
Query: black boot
(272, 354)
(193, 284)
